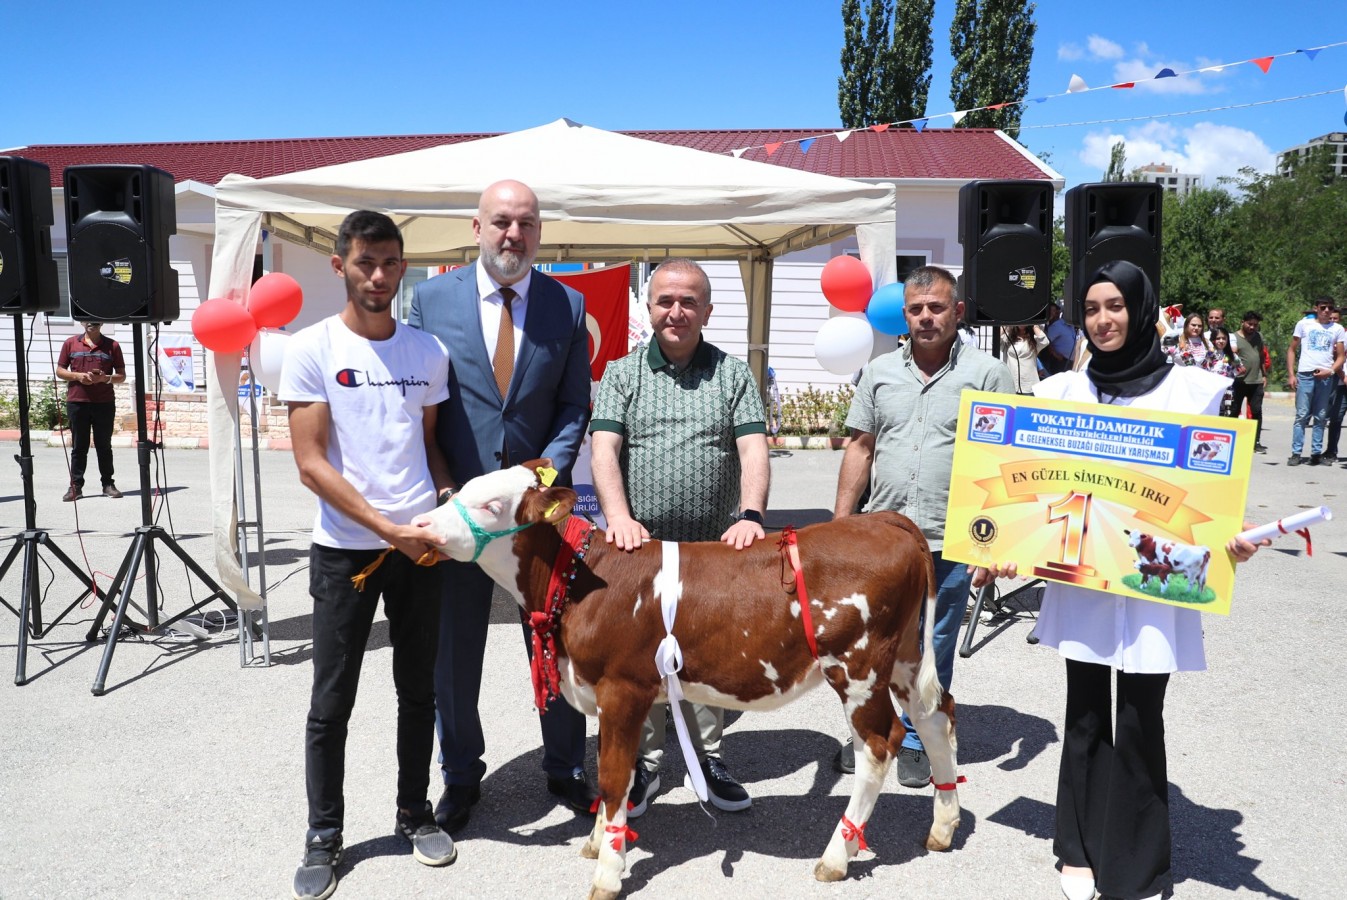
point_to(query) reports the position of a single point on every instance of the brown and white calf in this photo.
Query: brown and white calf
(741, 630)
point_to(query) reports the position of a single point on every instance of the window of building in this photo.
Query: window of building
(415, 275)
(909, 262)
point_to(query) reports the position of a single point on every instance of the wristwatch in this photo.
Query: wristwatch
(444, 496)
(750, 515)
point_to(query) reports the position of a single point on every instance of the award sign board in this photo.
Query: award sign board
(1134, 502)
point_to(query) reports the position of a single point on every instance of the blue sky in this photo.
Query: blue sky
(158, 71)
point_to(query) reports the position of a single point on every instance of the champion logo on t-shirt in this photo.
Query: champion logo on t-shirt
(355, 378)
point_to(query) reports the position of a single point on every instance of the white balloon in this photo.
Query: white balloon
(844, 343)
(266, 355)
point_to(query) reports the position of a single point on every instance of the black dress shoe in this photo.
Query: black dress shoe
(574, 791)
(845, 760)
(455, 806)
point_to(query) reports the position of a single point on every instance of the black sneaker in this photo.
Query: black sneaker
(1259, 448)
(644, 786)
(845, 760)
(722, 790)
(430, 845)
(914, 769)
(1316, 458)
(1295, 460)
(316, 877)
(1328, 458)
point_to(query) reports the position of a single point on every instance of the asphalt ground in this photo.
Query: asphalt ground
(186, 779)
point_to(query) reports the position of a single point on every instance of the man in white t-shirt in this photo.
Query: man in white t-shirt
(1216, 319)
(362, 391)
(1318, 343)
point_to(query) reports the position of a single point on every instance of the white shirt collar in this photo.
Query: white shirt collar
(486, 285)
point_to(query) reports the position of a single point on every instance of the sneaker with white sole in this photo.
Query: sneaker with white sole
(644, 786)
(316, 877)
(722, 790)
(430, 845)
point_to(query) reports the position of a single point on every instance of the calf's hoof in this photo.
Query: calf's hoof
(825, 872)
(938, 844)
(598, 893)
(589, 850)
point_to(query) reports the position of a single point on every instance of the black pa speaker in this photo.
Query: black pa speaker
(118, 222)
(1108, 221)
(1006, 231)
(27, 271)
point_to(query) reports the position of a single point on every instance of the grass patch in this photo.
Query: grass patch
(1178, 590)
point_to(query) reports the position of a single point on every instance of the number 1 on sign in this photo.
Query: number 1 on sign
(1074, 509)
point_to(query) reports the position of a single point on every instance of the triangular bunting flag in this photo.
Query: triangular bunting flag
(772, 147)
(959, 116)
(1220, 68)
(998, 106)
(738, 153)
(841, 135)
(879, 128)
(919, 124)
(1124, 84)
(1166, 72)
(1077, 85)
(1311, 53)
(806, 144)
(1263, 62)
(1039, 100)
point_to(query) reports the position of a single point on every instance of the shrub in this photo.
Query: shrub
(46, 408)
(9, 411)
(814, 411)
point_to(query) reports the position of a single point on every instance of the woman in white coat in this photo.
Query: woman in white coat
(1113, 787)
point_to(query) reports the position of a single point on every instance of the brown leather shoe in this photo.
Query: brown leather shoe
(110, 490)
(72, 495)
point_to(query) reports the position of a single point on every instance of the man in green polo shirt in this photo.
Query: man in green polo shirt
(680, 454)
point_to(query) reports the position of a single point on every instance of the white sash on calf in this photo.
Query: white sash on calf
(669, 658)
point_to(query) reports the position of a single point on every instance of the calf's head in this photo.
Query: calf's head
(496, 505)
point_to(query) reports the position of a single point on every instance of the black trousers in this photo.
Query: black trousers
(83, 418)
(342, 617)
(1113, 788)
(1254, 394)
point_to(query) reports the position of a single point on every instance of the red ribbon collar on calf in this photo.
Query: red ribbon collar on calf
(790, 549)
(545, 624)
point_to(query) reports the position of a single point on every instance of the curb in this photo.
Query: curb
(56, 439)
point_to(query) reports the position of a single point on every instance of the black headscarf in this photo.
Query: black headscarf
(1139, 365)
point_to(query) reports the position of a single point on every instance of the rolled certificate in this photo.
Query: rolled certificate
(1288, 525)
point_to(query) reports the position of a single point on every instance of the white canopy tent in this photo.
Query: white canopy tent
(603, 196)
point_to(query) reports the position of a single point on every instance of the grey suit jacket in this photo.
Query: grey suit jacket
(546, 409)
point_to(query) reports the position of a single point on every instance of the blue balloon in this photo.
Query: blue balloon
(885, 310)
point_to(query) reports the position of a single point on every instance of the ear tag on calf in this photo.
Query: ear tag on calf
(546, 475)
(551, 509)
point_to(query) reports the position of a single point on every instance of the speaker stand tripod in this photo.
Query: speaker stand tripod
(142, 549)
(32, 539)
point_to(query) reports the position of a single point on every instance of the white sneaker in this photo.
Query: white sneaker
(1078, 887)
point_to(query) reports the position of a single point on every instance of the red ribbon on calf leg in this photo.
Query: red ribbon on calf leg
(853, 832)
(949, 787)
(621, 833)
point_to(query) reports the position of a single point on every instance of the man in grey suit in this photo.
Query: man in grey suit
(518, 390)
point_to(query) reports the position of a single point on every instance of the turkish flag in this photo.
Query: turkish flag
(607, 298)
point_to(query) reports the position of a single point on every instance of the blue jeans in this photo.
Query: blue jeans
(951, 600)
(1312, 396)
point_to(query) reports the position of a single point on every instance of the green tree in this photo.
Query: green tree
(905, 80)
(1200, 254)
(992, 43)
(1117, 162)
(886, 70)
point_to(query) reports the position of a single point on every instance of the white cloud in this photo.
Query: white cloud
(1103, 48)
(1070, 52)
(1204, 148)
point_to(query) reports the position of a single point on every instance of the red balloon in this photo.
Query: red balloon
(223, 325)
(275, 300)
(846, 283)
